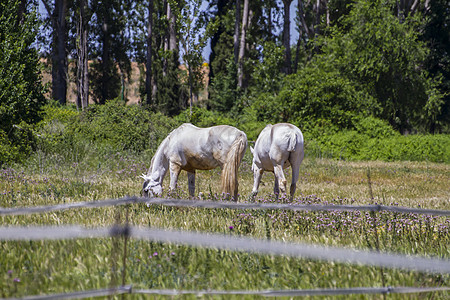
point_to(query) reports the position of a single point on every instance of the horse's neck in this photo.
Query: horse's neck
(160, 165)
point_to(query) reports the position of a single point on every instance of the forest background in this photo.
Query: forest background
(366, 79)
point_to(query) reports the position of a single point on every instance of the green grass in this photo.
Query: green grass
(45, 267)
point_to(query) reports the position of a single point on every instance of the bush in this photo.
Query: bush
(351, 145)
(101, 130)
(433, 148)
(202, 117)
(315, 95)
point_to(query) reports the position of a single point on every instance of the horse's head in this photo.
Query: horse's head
(151, 188)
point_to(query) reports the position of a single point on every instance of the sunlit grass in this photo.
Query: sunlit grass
(44, 267)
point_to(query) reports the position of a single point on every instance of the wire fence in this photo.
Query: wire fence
(128, 289)
(233, 243)
(221, 205)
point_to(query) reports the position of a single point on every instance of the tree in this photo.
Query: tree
(57, 13)
(110, 50)
(193, 41)
(378, 51)
(437, 36)
(21, 96)
(82, 72)
(236, 31)
(223, 39)
(242, 45)
(287, 69)
(148, 70)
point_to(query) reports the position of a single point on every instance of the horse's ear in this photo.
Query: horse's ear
(251, 149)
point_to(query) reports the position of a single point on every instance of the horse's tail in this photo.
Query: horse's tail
(292, 141)
(231, 166)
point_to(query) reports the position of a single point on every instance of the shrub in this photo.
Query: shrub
(202, 117)
(101, 130)
(433, 148)
(351, 145)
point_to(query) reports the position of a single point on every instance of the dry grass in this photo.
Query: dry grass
(406, 183)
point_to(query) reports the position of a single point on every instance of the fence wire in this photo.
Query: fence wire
(80, 295)
(234, 243)
(218, 204)
(265, 293)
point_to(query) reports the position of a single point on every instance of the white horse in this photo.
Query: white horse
(191, 148)
(278, 147)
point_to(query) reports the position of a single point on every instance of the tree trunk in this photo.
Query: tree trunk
(148, 71)
(59, 56)
(105, 62)
(82, 53)
(173, 42)
(242, 45)
(236, 31)
(287, 69)
(316, 28)
(21, 11)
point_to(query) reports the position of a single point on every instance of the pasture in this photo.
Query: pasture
(46, 267)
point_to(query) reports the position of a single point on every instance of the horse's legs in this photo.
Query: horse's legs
(191, 183)
(276, 186)
(174, 172)
(257, 174)
(295, 161)
(279, 176)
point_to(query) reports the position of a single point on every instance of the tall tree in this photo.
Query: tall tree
(111, 60)
(21, 96)
(58, 14)
(148, 70)
(242, 45)
(82, 72)
(193, 41)
(287, 69)
(437, 36)
(236, 31)
(384, 55)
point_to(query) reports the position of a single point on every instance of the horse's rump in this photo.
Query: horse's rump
(231, 166)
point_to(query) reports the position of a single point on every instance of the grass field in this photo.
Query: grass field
(45, 267)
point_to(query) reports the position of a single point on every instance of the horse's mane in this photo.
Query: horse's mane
(161, 146)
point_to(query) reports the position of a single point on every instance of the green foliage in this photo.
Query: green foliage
(314, 95)
(433, 148)
(202, 117)
(21, 96)
(437, 36)
(382, 53)
(170, 98)
(223, 91)
(374, 139)
(267, 75)
(112, 64)
(18, 145)
(101, 130)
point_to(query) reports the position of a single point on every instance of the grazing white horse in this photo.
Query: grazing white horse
(278, 147)
(192, 148)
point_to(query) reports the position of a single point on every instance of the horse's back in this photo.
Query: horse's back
(287, 137)
(276, 143)
(202, 148)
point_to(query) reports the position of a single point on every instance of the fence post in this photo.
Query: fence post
(125, 243)
(373, 213)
